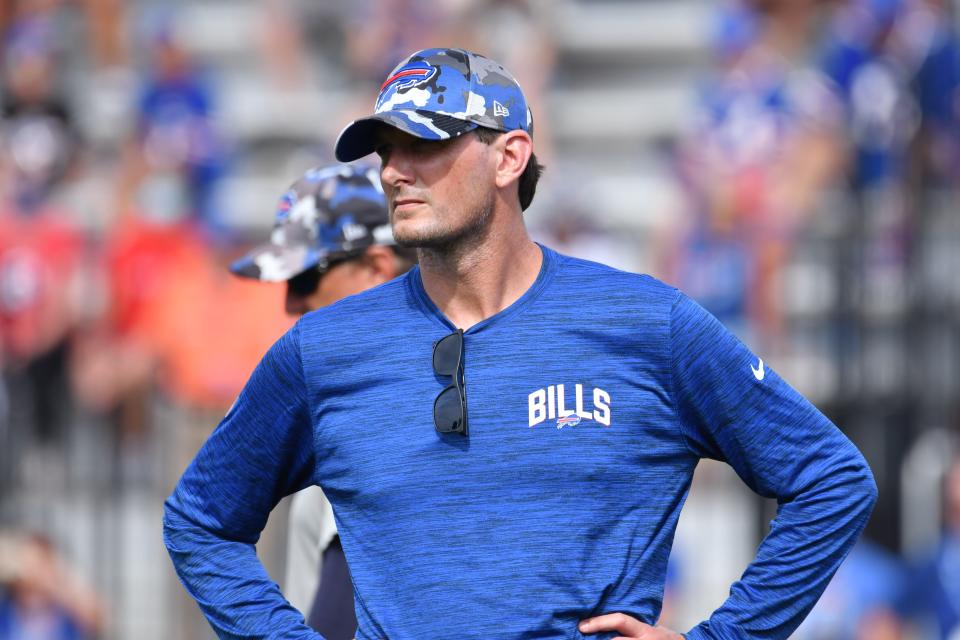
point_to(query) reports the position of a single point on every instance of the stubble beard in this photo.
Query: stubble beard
(442, 239)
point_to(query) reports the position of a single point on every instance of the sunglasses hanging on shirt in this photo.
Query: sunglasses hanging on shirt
(450, 406)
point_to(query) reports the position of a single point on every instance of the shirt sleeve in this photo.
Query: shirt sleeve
(260, 452)
(733, 407)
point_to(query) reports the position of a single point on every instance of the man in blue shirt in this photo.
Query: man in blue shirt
(507, 435)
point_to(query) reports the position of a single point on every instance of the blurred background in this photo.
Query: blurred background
(793, 165)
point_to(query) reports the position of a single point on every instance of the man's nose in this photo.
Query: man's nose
(396, 169)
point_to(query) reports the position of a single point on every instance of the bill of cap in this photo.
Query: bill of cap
(359, 138)
(273, 263)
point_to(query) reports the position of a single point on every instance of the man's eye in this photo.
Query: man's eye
(425, 147)
(383, 151)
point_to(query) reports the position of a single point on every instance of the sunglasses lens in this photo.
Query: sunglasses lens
(305, 283)
(446, 354)
(448, 411)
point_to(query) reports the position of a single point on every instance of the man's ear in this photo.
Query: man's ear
(381, 261)
(515, 149)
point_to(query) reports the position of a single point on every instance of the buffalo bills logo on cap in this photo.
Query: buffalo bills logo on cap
(411, 75)
(287, 200)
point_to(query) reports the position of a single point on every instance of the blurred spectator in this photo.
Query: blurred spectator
(40, 598)
(41, 252)
(938, 81)
(860, 603)
(41, 270)
(174, 320)
(40, 139)
(177, 340)
(213, 331)
(933, 593)
(896, 65)
(763, 147)
(143, 253)
(176, 158)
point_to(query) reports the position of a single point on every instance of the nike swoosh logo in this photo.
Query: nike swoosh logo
(758, 373)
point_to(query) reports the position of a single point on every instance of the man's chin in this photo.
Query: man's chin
(415, 242)
(408, 235)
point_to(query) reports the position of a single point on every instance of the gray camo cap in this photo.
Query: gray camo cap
(329, 213)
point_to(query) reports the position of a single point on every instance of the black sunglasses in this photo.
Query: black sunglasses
(450, 406)
(304, 284)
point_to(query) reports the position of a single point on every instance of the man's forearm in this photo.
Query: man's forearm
(807, 542)
(229, 583)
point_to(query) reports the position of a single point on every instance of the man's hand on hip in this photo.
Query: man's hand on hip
(629, 628)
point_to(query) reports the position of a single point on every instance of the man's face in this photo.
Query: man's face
(311, 290)
(438, 192)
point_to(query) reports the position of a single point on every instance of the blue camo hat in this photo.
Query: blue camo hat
(438, 94)
(329, 213)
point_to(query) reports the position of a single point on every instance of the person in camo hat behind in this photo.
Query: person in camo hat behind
(331, 239)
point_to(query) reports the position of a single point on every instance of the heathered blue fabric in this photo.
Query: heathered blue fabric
(516, 531)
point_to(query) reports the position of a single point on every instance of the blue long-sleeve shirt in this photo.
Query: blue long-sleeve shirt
(590, 401)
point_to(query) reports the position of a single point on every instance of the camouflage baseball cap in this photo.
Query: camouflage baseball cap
(330, 213)
(437, 94)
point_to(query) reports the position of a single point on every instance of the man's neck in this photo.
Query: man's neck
(474, 281)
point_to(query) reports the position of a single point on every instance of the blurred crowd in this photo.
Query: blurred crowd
(99, 309)
(42, 597)
(809, 104)
(116, 226)
(804, 98)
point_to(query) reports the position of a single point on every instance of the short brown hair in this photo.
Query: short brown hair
(527, 185)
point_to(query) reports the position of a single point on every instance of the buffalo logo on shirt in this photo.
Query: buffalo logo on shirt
(555, 403)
